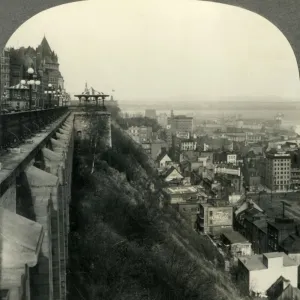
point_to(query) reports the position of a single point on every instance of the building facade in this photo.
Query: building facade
(45, 63)
(162, 120)
(259, 272)
(4, 75)
(215, 217)
(182, 124)
(278, 230)
(236, 245)
(150, 113)
(278, 171)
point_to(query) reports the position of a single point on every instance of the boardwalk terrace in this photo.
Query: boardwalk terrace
(35, 192)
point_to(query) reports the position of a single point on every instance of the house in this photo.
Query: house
(291, 246)
(283, 290)
(172, 175)
(207, 143)
(225, 157)
(251, 222)
(257, 273)
(187, 145)
(252, 178)
(157, 147)
(249, 204)
(185, 168)
(203, 159)
(163, 160)
(236, 244)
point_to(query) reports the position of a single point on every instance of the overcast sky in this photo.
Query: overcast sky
(159, 49)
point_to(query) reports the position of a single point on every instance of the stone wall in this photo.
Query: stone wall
(82, 124)
(34, 221)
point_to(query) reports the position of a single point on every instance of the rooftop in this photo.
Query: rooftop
(234, 237)
(180, 190)
(255, 262)
(283, 224)
(261, 224)
(291, 244)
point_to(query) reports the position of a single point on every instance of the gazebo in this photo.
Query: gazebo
(16, 100)
(90, 96)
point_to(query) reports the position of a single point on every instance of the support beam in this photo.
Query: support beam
(21, 241)
(8, 199)
(44, 190)
(55, 163)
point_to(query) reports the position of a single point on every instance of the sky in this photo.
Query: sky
(152, 50)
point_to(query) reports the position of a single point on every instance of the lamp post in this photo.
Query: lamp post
(31, 81)
(50, 91)
(59, 95)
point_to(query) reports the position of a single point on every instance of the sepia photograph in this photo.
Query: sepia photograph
(149, 150)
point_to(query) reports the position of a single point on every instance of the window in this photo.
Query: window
(211, 213)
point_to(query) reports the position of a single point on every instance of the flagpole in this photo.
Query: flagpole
(112, 94)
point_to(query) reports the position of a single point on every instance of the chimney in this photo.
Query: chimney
(273, 260)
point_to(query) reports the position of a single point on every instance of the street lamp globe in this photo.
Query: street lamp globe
(49, 85)
(46, 92)
(23, 82)
(30, 71)
(37, 82)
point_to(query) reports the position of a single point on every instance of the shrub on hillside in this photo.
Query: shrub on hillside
(122, 247)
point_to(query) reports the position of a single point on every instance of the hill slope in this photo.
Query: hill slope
(122, 245)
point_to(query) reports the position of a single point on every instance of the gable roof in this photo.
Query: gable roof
(169, 171)
(248, 205)
(161, 155)
(45, 48)
(282, 289)
(291, 244)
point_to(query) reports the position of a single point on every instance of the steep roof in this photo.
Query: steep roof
(282, 289)
(169, 171)
(291, 244)
(44, 48)
(28, 61)
(161, 155)
(248, 205)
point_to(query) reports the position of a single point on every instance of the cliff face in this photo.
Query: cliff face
(123, 246)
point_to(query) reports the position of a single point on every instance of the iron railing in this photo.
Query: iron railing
(17, 127)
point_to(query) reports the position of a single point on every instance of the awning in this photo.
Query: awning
(18, 87)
